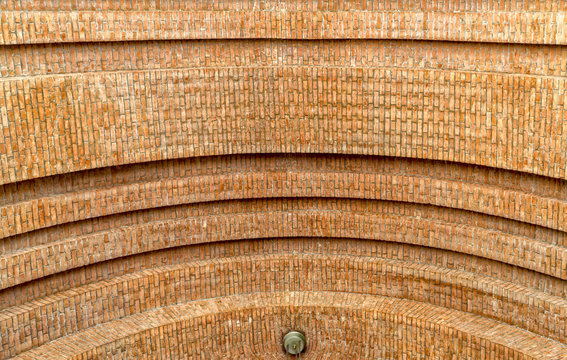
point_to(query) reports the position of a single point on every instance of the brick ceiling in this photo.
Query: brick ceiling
(194, 179)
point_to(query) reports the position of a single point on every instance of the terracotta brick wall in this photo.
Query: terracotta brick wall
(193, 179)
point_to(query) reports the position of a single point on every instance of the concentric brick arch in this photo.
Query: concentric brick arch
(264, 107)
(421, 326)
(194, 179)
(361, 275)
(256, 219)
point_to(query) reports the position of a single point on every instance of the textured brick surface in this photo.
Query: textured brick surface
(66, 280)
(193, 179)
(522, 307)
(396, 328)
(23, 27)
(264, 219)
(73, 122)
(279, 177)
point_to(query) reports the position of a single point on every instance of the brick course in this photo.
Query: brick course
(28, 216)
(26, 27)
(164, 286)
(77, 277)
(333, 218)
(101, 119)
(397, 329)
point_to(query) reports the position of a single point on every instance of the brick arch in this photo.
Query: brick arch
(317, 5)
(515, 120)
(304, 217)
(451, 260)
(164, 286)
(45, 202)
(311, 217)
(369, 325)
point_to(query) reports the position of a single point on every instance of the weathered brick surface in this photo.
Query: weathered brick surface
(26, 27)
(276, 177)
(287, 5)
(192, 179)
(327, 218)
(398, 329)
(163, 286)
(80, 58)
(62, 281)
(74, 122)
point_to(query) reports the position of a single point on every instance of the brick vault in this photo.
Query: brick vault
(194, 179)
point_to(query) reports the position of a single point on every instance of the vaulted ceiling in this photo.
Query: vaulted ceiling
(194, 179)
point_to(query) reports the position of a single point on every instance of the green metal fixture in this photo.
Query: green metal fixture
(294, 342)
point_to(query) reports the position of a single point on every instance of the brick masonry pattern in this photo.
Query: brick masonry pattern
(103, 118)
(178, 178)
(393, 325)
(29, 27)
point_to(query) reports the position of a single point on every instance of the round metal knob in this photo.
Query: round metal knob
(294, 342)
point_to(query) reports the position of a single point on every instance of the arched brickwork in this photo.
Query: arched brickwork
(225, 221)
(513, 120)
(165, 286)
(395, 329)
(192, 179)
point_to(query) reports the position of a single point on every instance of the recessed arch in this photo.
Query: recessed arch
(306, 217)
(386, 328)
(104, 271)
(507, 194)
(164, 286)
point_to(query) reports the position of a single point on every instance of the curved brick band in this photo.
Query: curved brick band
(288, 5)
(396, 328)
(26, 27)
(69, 122)
(164, 286)
(506, 197)
(325, 220)
(152, 172)
(77, 277)
(84, 58)
(178, 178)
